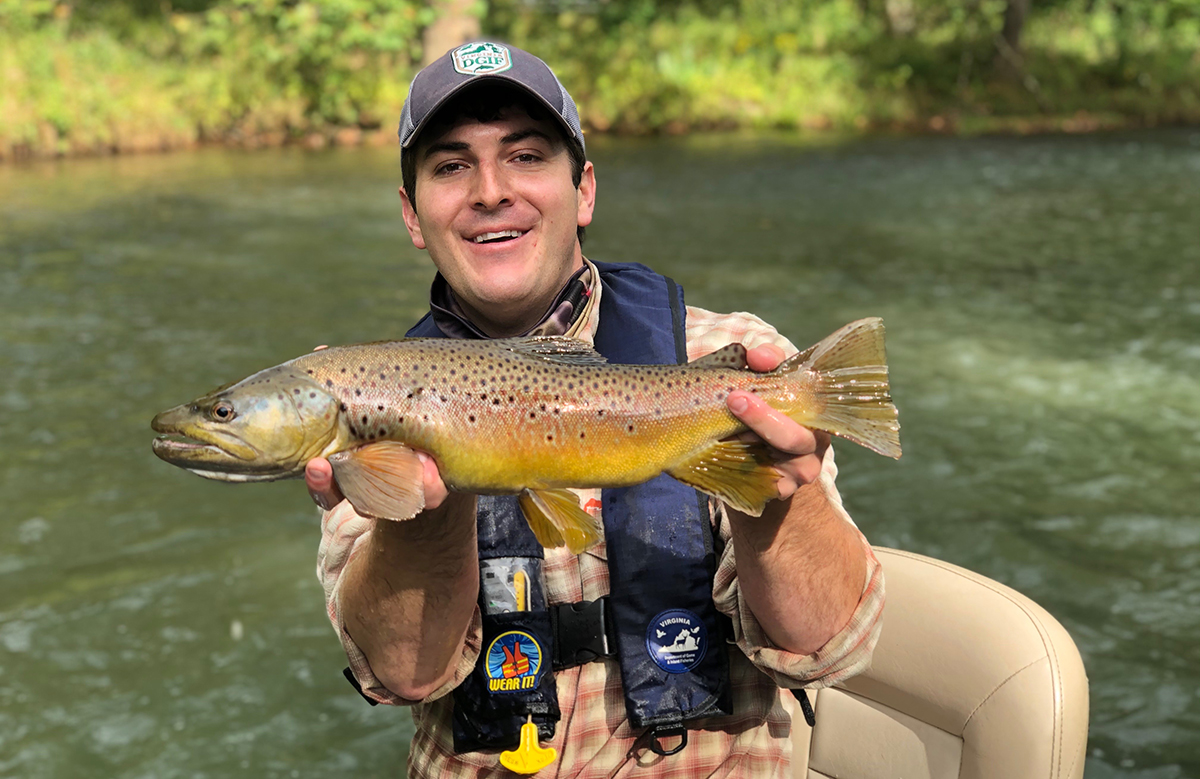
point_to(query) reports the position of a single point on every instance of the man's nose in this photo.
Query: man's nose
(491, 187)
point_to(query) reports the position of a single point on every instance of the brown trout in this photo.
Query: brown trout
(525, 416)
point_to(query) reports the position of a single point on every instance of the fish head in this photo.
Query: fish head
(263, 428)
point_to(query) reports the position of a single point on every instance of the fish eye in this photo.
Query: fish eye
(222, 411)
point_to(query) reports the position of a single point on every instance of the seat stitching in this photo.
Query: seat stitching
(997, 688)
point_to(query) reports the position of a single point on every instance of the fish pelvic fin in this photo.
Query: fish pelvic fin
(557, 519)
(852, 394)
(382, 480)
(741, 473)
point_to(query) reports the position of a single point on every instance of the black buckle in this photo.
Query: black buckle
(666, 731)
(583, 632)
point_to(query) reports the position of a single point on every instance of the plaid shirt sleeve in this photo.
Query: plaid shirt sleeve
(344, 534)
(847, 653)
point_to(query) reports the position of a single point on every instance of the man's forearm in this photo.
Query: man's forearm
(801, 567)
(408, 596)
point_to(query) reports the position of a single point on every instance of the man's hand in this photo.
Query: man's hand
(799, 451)
(318, 475)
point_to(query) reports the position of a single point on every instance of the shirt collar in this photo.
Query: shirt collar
(564, 316)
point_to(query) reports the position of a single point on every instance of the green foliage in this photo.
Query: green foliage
(92, 74)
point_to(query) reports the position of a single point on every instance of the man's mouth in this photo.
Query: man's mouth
(498, 237)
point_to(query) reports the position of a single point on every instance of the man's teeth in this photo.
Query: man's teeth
(497, 236)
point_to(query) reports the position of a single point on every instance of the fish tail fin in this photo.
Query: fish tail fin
(848, 376)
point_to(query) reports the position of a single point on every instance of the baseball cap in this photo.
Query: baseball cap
(479, 61)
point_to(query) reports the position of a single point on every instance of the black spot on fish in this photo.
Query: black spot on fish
(630, 428)
(364, 419)
(358, 392)
(343, 370)
(329, 382)
(380, 408)
(342, 406)
(312, 394)
(309, 371)
(296, 391)
(471, 418)
(549, 437)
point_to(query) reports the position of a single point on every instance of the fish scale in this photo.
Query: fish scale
(530, 416)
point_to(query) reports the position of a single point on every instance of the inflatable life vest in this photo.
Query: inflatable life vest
(658, 621)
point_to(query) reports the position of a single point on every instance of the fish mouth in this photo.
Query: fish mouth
(209, 453)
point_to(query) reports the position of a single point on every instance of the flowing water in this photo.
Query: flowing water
(1042, 297)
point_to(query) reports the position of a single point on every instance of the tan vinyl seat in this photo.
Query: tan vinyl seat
(971, 680)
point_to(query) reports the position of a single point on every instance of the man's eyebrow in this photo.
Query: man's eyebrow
(439, 146)
(530, 132)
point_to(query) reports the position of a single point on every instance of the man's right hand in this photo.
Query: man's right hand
(318, 475)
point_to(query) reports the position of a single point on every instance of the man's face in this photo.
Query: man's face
(497, 210)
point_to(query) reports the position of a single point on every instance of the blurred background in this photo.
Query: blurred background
(1012, 185)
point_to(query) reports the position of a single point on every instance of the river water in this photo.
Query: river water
(1042, 298)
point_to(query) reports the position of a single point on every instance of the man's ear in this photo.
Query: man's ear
(587, 195)
(410, 220)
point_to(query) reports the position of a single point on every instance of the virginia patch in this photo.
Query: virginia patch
(514, 662)
(676, 640)
(477, 59)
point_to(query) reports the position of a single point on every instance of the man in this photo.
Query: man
(454, 613)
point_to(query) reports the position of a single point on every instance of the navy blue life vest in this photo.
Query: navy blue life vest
(671, 640)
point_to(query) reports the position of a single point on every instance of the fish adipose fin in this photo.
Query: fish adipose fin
(853, 399)
(731, 357)
(554, 348)
(556, 519)
(741, 473)
(382, 480)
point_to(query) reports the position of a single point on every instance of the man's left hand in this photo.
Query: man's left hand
(799, 450)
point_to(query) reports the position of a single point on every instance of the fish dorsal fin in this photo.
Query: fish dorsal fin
(382, 480)
(556, 519)
(555, 348)
(741, 473)
(732, 357)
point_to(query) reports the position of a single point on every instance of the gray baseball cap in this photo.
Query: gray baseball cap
(471, 63)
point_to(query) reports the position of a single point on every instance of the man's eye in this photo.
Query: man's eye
(449, 167)
(528, 157)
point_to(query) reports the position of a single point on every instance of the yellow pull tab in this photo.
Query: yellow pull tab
(529, 758)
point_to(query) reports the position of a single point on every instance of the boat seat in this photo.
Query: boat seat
(970, 680)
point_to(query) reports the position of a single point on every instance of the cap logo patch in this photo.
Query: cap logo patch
(477, 59)
(514, 662)
(676, 640)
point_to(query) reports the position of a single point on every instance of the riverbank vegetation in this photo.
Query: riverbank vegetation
(95, 76)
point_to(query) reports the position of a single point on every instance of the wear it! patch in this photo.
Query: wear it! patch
(677, 640)
(477, 59)
(514, 662)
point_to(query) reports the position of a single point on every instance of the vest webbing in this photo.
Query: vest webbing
(659, 547)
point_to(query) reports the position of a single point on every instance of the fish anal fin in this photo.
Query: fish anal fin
(731, 357)
(556, 519)
(382, 480)
(741, 473)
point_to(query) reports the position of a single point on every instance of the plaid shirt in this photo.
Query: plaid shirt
(594, 738)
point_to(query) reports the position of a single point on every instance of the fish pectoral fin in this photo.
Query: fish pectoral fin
(741, 473)
(382, 480)
(556, 519)
(730, 357)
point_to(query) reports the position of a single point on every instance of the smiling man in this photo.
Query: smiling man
(661, 651)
